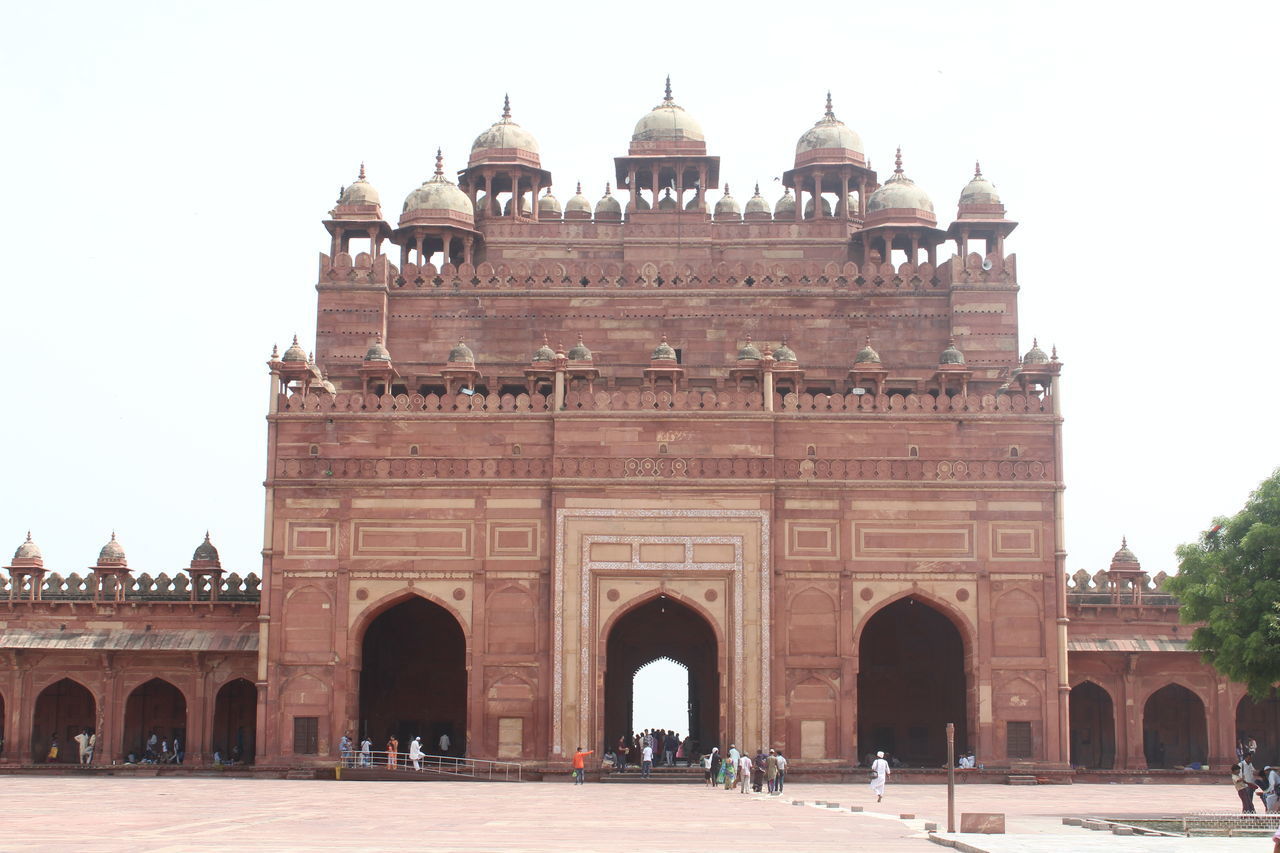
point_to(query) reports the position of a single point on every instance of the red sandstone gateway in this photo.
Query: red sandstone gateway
(791, 446)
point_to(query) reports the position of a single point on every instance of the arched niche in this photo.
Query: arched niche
(62, 710)
(235, 722)
(1093, 727)
(153, 707)
(1174, 732)
(812, 624)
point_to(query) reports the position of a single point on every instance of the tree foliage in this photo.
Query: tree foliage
(1229, 582)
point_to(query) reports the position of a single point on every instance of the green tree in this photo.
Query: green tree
(1229, 583)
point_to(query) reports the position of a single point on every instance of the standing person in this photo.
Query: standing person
(93, 744)
(713, 764)
(1245, 779)
(730, 769)
(445, 743)
(757, 772)
(580, 765)
(82, 743)
(782, 771)
(669, 750)
(366, 751)
(745, 765)
(771, 770)
(344, 749)
(621, 754)
(53, 750)
(879, 775)
(646, 759)
(393, 753)
(415, 753)
(705, 761)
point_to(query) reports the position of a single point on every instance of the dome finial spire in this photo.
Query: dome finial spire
(830, 113)
(977, 169)
(579, 187)
(757, 188)
(361, 175)
(668, 99)
(607, 187)
(506, 107)
(439, 163)
(897, 162)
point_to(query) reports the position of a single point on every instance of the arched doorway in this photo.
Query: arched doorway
(154, 707)
(413, 678)
(235, 718)
(663, 627)
(1174, 733)
(63, 710)
(1093, 727)
(911, 683)
(1260, 720)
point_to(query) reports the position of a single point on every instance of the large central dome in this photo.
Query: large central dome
(505, 141)
(668, 125)
(829, 141)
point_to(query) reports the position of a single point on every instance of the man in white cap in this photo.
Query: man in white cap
(879, 775)
(416, 753)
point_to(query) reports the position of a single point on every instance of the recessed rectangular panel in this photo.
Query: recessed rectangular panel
(920, 539)
(714, 553)
(513, 539)
(309, 539)
(662, 552)
(425, 540)
(1015, 541)
(813, 540)
(610, 552)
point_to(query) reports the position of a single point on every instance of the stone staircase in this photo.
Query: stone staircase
(658, 776)
(1020, 779)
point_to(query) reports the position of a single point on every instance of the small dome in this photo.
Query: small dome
(979, 190)
(784, 353)
(808, 208)
(727, 205)
(758, 204)
(544, 352)
(462, 353)
(668, 122)
(506, 136)
(525, 209)
(786, 206)
(829, 141)
(951, 355)
(899, 193)
(327, 385)
(112, 552)
(377, 352)
(667, 202)
(663, 351)
(749, 351)
(295, 352)
(360, 192)
(1035, 355)
(205, 552)
(1124, 555)
(578, 203)
(608, 206)
(27, 551)
(695, 204)
(579, 352)
(438, 197)
(549, 206)
(867, 355)
(851, 203)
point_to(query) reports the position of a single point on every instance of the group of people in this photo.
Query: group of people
(741, 770)
(364, 757)
(1249, 781)
(652, 747)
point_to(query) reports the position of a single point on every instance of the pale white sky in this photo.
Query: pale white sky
(169, 164)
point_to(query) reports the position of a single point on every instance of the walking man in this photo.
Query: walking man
(366, 750)
(580, 765)
(82, 742)
(445, 743)
(771, 770)
(782, 771)
(415, 753)
(744, 771)
(880, 775)
(646, 760)
(344, 749)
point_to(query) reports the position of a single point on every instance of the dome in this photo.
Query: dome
(867, 355)
(549, 206)
(1124, 555)
(667, 202)
(112, 552)
(786, 206)
(749, 351)
(951, 355)
(727, 205)
(462, 353)
(808, 208)
(360, 192)
(668, 122)
(608, 206)
(663, 351)
(205, 552)
(327, 385)
(829, 141)
(438, 198)
(504, 140)
(579, 203)
(695, 204)
(544, 352)
(899, 193)
(979, 190)
(377, 352)
(784, 353)
(757, 204)
(1035, 355)
(525, 209)
(579, 352)
(295, 352)
(28, 551)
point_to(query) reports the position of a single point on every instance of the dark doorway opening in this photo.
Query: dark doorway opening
(63, 709)
(1093, 727)
(154, 708)
(235, 722)
(1260, 720)
(911, 683)
(413, 679)
(663, 628)
(1174, 733)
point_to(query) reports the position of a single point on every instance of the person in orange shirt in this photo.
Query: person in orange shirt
(579, 766)
(393, 753)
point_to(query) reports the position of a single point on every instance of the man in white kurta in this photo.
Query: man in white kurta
(415, 753)
(880, 769)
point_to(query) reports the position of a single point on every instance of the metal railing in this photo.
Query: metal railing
(447, 765)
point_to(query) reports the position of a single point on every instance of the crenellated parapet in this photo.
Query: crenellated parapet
(1105, 588)
(162, 587)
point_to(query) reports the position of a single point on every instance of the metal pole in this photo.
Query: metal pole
(951, 777)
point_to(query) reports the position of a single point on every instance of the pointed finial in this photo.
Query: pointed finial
(664, 337)
(748, 339)
(1053, 356)
(275, 352)
(757, 189)
(206, 536)
(579, 337)
(897, 162)
(579, 187)
(545, 340)
(668, 99)
(439, 163)
(830, 113)
(1124, 541)
(361, 177)
(113, 536)
(1035, 343)
(295, 340)
(28, 535)
(977, 170)
(606, 187)
(311, 357)
(506, 108)
(726, 190)
(868, 340)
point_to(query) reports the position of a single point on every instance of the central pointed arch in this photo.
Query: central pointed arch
(62, 710)
(154, 708)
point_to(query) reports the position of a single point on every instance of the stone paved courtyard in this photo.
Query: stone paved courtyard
(61, 813)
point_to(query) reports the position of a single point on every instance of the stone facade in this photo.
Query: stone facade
(791, 450)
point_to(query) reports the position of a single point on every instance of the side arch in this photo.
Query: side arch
(371, 612)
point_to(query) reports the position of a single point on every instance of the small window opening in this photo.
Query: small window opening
(811, 451)
(913, 451)
(662, 449)
(679, 356)
(397, 390)
(314, 450)
(516, 450)
(1013, 452)
(413, 450)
